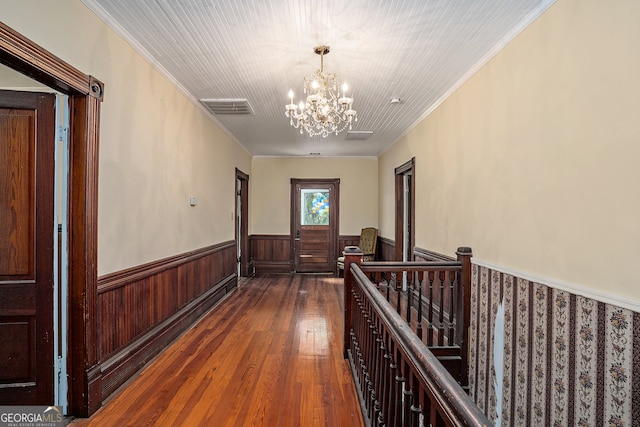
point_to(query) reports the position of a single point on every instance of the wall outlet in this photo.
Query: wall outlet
(193, 200)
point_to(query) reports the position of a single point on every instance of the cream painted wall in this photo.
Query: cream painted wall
(534, 161)
(270, 186)
(157, 147)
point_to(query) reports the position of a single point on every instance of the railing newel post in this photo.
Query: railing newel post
(352, 254)
(464, 255)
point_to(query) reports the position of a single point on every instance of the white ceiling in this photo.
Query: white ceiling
(416, 50)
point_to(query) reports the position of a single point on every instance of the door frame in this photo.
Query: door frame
(242, 234)
(85, 96)
(334, 215)
(407, 168)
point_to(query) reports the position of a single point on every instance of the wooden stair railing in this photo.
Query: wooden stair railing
(399, 380)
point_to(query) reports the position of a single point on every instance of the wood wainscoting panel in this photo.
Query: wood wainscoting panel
(386, 249)
(271, 253)
(142, 309)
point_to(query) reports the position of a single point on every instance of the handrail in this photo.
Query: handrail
(391, 266)
(447, 397)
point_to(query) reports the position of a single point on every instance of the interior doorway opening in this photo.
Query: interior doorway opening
(405, 213)
(242, 222)
(61, 257)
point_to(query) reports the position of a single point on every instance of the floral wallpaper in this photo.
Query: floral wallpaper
(568, 360)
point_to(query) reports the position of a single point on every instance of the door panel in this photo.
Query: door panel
(314, 213)
(26, 247)
(17, 154)
(314, 248)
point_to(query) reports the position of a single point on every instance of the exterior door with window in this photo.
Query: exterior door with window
(314, 228)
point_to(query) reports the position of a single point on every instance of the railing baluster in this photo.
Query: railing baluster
(399, 400)
(430, 279)
(367, 362)
(388, 285)
(452, 322)
(380, 373)
(356, 353)
(441, 309)
(419, 321)
(363, 349)
(375, 371)
(359, 359)
(398, 293)
(402, 382)
(390, 402)
(415, 416)
(415, 409)
(371, 365)
(409, 299)
(406, 402)
(379, 387)
(386, 383)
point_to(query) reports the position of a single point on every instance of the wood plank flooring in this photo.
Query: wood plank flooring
(269, 355)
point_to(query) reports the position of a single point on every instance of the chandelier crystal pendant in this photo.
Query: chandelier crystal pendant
(326, 111)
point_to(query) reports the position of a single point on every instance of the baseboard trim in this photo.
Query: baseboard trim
(119, 367)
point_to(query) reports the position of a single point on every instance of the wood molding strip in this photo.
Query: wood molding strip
(349, 237)
(270, 237)
(386, 241)
(120, 278)
(431, 255)
(21, 53)
(83, 252)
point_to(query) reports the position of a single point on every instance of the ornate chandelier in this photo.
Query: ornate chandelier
(325, 111)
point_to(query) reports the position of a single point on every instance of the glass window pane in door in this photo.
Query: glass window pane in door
(314, 206)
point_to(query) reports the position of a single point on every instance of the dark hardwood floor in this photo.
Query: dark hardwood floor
(269, 355)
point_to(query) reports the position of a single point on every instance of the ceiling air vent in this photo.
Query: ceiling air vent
(358, 135)
(227, 106)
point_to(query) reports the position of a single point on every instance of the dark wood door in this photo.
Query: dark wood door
(27, 134)
(242, 223)
(314, 213)
(405, 210)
